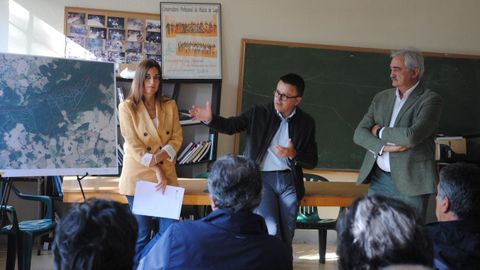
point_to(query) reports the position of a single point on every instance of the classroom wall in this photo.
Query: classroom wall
(36, 27)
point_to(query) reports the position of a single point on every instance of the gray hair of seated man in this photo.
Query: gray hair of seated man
(460, 183)
(377, 231)
(235, 182)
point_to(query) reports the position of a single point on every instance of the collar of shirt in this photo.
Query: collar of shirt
(289, 116)
(407, 93)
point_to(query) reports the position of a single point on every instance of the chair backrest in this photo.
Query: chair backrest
(311, 211)
(8, 216)
(203, 175)
(314, 177)
(46, 200)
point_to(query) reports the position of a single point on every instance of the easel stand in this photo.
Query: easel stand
(79, 180)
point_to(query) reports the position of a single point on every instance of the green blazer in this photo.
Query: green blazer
(413, 171)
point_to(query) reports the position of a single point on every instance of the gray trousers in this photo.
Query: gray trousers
(382, 184)
(279, 205)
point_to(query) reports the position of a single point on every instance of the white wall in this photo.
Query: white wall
(36, 27)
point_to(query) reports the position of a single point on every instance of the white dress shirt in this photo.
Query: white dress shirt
(383, 159)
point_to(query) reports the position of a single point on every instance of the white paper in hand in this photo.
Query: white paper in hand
(150, 202)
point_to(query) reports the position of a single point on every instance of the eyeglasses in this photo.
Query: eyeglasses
(156, 77)
(281, 96)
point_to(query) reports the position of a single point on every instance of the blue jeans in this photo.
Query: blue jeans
(279, 205)
(145, 229)
(382, 183)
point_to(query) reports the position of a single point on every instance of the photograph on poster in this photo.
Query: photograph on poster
(114, 45)
(116, 34)
(75, 18)
(153, 26)
(94, 44)
(153, 48)
(133, 47)
(155, 57)
(96, 32)
(116, 22)
(134, 35)
(135, 24)
(191, 40)
(78, 30)
(115, 28)
(154, 37)
(96, 20)
(133, 57)
(117, 57)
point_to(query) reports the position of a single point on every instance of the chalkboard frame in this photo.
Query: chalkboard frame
(247, 42)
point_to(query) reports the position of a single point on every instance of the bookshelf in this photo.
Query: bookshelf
(196, 135)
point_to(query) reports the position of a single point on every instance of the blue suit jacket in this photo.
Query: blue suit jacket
(222, 240)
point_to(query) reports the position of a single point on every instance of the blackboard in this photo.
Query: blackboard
(340, 84)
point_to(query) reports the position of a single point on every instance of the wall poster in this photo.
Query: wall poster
(191, 41)
(112, 36)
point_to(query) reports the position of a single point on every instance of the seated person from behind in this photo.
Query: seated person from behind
(456, 237)
(97, 234)
(378, 231)
(231, 237)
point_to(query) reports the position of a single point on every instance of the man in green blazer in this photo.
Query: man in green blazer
(398, 132)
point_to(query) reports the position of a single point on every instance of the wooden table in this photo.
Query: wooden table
(316, 193)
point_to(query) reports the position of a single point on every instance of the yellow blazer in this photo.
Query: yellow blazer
(142, 137)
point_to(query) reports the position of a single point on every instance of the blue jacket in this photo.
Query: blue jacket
(456, 244)
(222, 240)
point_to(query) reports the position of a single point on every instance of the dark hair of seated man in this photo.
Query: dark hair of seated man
(97, 234)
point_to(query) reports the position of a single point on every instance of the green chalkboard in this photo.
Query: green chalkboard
(341, 82)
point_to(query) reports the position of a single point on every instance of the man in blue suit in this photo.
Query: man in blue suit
(398, 132)
(231, 237)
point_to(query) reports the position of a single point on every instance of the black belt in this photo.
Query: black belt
(282, 171)
(385, 172)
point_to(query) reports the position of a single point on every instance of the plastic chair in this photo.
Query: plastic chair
(309, 219)
(9, 227)
(21, 234)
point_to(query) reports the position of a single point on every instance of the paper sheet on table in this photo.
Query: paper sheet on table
(150, 202)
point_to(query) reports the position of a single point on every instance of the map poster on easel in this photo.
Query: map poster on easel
(57, 117)
(191, 41)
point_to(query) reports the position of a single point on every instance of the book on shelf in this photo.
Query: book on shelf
(204, 152)
(200, 151)
(212, 146)
(189, 154)
(194, 152)
(185, 151)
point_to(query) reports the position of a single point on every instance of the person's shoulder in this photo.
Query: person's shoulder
(126, 104)
(263, 107)
(169, 102)
(385, 93)
(303, 115)
(431, 94)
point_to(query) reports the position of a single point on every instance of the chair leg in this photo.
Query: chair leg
(11, 252)
(25, 251)
(322, 244)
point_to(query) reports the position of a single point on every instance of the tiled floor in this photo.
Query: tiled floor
(305, 258)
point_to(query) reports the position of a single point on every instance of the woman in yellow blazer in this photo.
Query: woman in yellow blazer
(150, 126)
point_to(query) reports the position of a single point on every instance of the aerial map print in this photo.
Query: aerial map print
(57, 116)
